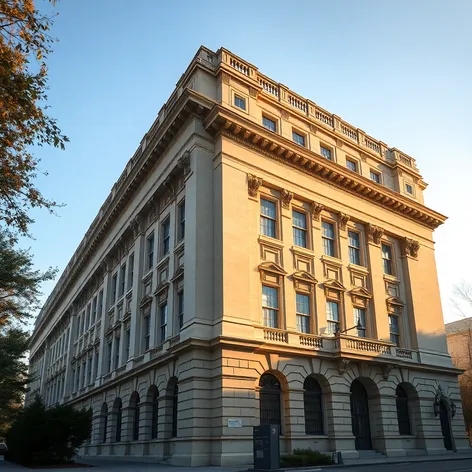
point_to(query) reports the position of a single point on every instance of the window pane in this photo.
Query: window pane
(240, 102)
(354, 239)
(303, 304)
(270, 297)
(332, 311)
(328, 230)
(268, 209)
(268, 227)
(360, 319)
(269, 124)
(303, 323)
(299, 219)
(375, 176)
(325, 152)
(351, 165)
(298, 138)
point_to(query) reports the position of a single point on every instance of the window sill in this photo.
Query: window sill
(390, 278)
(331, 260)
(358, 268)
(262, 239)
(304, 251)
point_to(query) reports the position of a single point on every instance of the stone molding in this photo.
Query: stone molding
(286, 197)
(343, 221)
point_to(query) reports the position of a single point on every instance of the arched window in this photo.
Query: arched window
(118, 407)
(403, 414)
(270, 398)
(155, 411)
(104, 415)
(134, 405)
(175, 410)
(312, 399)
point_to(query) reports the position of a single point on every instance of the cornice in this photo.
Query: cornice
(229, 124)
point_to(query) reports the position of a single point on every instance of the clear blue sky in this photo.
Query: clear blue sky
(400, 70)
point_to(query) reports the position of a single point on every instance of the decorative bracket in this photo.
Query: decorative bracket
(386, 369)
(374, 233)
(253, 184)
(343, 221)
(409, 247)
(286, 198)
(316, 209)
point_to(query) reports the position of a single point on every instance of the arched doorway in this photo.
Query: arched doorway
(360, 416)
(445, 425)
(270, 400)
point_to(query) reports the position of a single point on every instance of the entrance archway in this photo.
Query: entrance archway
(445, 425)
(360, 416)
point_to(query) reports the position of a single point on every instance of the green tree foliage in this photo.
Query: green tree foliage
(24, 46)
(46, 436)
(13, 374)
(19, 283)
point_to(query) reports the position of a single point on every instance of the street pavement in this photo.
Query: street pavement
(443, 464)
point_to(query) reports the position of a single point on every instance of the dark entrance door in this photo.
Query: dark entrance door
(360, 416)
(445, 425)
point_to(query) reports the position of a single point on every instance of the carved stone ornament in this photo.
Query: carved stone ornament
(343, 365)
(168, 187)
(374, 234)
(316, 209)
(184, 163)
(135, 227)
(409, 247)
(285, 115)
(253, 184)
(286, 198)
(339, 143)
(253, 92)
(439, 397)
(386, 369)
(313, 129)
(343, 221)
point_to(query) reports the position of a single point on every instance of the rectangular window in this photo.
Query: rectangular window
(114, 284)
(269, 124)
(77, 385)
(327, 153)
(127, 343)
(394, 329)
(298, 138)
(117, 352)
(122, 279)
(89, 373)
(328, 238)
(147, 331)
(387, 259)
(409, 188)
(163, 321)
(74, 381)
(268, 218)
(165, 237)
(332, 316)
(351, 165)
(375, 176)
(180, 308)
(94, 310)
(130, 271)
(360, 320)
(109, 356)
(303, 313)
(354, 245)
(150, 251)
(96, 365)
(240, 102)
(270, 306)
(299, 228)
(181, 229)
(86, 318)
(100, 304)
(84, 374)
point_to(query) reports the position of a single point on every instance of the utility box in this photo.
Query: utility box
(266, 446)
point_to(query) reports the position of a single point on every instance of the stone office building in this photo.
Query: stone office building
(259, 260)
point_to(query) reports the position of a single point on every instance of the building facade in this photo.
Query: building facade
(259, 260)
